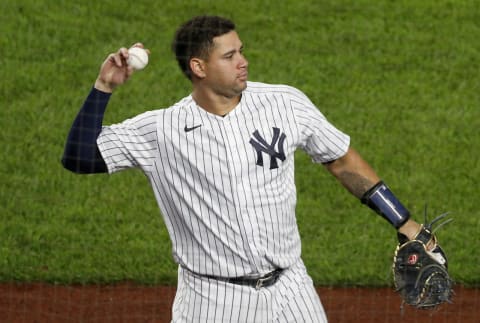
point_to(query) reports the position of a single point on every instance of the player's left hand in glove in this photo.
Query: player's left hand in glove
(421, 275)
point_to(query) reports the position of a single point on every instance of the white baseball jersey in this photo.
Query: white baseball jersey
(225, 185)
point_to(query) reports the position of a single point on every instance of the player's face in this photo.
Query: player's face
(226, 69)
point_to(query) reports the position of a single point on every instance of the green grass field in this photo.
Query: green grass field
(401, 77)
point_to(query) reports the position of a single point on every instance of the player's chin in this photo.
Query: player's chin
(242, 83)
(240, 89)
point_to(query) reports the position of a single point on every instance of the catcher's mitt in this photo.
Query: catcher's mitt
(421, 276)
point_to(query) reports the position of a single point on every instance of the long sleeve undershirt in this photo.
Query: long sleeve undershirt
(81, 154)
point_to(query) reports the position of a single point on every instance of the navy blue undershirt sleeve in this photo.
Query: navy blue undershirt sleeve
(81, 154)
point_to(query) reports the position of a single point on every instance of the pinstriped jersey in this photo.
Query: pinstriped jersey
(225, 185)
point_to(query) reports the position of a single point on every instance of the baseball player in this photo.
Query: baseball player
(221, 164)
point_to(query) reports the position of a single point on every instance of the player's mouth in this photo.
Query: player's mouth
(243, 76)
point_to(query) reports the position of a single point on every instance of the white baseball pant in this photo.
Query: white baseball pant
(292, 298)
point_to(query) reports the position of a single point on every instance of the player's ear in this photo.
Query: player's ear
(197, 66)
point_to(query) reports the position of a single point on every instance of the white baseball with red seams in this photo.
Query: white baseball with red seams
(137, 58)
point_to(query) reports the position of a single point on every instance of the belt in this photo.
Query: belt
(255, 282)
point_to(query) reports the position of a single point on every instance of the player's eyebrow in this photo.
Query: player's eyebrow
(231, 52)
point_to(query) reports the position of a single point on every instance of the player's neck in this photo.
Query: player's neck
(214, 103)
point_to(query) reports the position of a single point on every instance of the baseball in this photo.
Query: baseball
(137, 58)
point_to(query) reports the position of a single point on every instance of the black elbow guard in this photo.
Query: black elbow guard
(380, 199)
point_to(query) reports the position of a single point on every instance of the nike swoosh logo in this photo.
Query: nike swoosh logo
(188, 129)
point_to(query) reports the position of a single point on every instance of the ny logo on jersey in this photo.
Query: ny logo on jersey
(261, 146)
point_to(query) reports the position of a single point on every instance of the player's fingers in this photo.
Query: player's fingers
(116, 59)
(130, 71)
(111, 60)
(122, 55)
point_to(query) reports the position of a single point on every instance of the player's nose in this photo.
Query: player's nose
(243, 62)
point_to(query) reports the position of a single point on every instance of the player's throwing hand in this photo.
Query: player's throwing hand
(115, 70)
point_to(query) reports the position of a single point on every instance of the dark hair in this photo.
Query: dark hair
(195, 39)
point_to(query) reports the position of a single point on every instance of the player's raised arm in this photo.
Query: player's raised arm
(81, 154)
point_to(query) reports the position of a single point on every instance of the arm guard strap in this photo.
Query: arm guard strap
(381, 199)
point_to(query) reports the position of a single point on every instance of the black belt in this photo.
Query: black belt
(256, 282)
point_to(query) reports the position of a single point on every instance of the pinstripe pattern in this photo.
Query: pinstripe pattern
(226, 215)
(292, 299)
